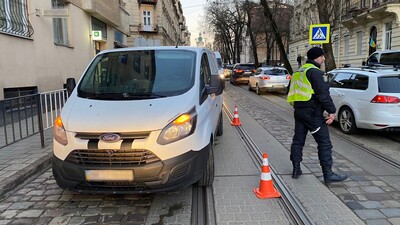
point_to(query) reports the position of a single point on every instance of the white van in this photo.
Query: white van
(219, 64)
(384, 57)
(140, 120)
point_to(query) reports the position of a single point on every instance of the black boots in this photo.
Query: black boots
(330, 176)
(296, 170)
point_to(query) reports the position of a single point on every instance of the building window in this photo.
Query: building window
(346, 45)
(359, 42)
(101, 26)
(14, 18)
(388, 35)
(60, 25)
(147, 21)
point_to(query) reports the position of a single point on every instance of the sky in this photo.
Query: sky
(193, 10)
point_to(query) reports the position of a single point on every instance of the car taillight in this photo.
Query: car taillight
(254, 71)
(385, 99)
(264, 77)
(288, 77)
(238, 71)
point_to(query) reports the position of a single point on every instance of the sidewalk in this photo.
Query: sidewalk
(23, 159)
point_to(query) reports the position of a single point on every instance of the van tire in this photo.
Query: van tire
(220, 128)
(208, 176)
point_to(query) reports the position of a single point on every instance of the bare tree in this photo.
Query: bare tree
(328, 13)
(279, 42)
(227, 20)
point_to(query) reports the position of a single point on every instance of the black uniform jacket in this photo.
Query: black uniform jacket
(321, 96)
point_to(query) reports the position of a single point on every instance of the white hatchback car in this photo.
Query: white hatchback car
(366, 97)
(269, 78)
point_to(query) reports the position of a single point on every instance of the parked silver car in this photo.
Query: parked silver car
(269, 79)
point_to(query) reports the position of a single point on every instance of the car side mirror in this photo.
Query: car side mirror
(217, 85)
(70, 85)
(363, 63)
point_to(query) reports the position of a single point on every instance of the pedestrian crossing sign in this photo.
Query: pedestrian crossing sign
(319, 33)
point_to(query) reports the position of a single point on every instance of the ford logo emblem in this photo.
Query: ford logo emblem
(110, 137)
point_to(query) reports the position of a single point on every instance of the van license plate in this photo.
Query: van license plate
(109, 175)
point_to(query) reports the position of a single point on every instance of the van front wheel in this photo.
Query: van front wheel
(208, 176)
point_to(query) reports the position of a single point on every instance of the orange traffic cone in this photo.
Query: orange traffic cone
(266, 189)
(236, 121)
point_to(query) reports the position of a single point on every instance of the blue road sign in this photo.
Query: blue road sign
(319, 33)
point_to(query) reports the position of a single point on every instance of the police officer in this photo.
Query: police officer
(309, 95)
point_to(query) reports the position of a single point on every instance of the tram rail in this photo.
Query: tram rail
(293, 209)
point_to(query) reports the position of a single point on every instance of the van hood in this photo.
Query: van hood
(86, 115)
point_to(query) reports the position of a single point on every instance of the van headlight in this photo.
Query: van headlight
(59, 133)
(181, 127)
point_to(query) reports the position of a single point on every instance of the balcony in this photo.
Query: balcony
(101, 9)
(150, 2)
(148, 28)
(379, 9)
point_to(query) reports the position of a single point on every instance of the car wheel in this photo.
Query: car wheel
(220, 129)
(250, 89)
(347, 121)
(258, 91)
(208, 176)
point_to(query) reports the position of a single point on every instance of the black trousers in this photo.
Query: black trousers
(308, 119)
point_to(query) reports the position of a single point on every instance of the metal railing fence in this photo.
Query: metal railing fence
(22, 117)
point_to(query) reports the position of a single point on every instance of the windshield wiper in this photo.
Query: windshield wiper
(142, 95)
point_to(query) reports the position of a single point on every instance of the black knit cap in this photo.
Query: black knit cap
(314, 53)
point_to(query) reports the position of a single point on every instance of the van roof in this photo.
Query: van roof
(190, 48)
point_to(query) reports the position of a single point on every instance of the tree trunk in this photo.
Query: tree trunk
(323, 13)
(268, 14)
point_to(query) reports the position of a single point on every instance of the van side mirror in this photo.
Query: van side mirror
(217, 85)
(70, 85)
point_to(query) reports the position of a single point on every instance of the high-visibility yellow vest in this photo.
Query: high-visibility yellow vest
(300, 87)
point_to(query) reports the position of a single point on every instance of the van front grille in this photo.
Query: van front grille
(112, 157)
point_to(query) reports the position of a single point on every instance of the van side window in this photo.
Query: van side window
(205, 77)
(373, 58)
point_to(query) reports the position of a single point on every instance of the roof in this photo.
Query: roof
(370, 70)
(190, 48)
(271, 68)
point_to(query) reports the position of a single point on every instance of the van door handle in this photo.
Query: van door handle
(340, 95)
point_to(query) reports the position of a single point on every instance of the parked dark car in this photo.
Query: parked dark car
(241, 73)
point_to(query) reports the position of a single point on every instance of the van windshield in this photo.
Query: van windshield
(141, 74)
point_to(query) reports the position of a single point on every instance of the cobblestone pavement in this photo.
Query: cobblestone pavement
(43, 202)
(375, 199)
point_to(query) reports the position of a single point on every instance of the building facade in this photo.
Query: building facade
(364, 27)
(157, 23)
(45, 42)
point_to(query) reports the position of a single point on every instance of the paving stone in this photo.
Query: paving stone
(391, 203)
(30, 213)
(63, 220)
(372, 189)
(391, 212)
(8, 214)
(369, 214)
(378, 197)
(372, 204)
(4, 222)
(76, 220)
(354, 205)
(378, 222)
(21, 205)
(394, 221)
